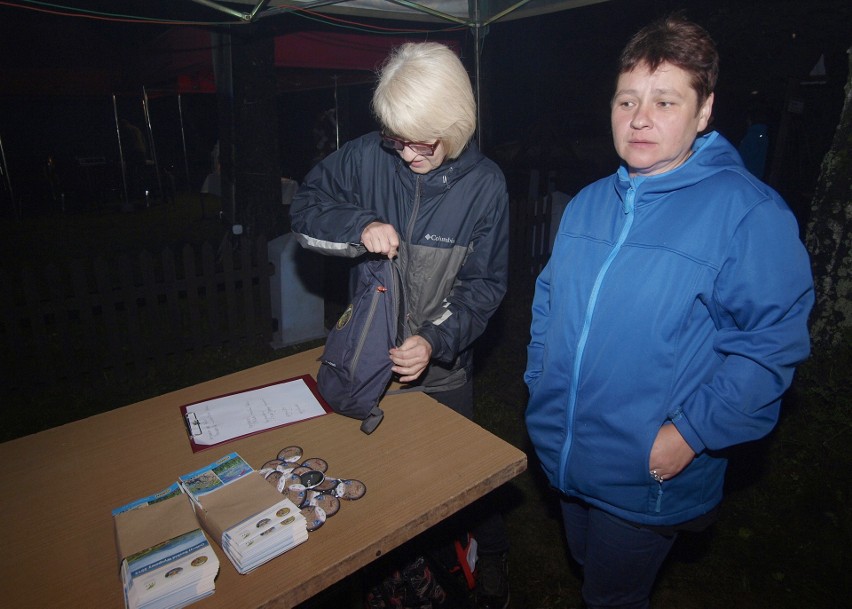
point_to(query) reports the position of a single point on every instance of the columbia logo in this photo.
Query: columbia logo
(429, 237)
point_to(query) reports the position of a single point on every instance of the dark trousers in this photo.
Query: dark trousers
(482, 518)
(620, 560)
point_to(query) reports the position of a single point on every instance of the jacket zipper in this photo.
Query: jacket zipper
(403, 260)
(415, 209)
(398, 304)
(627, 208)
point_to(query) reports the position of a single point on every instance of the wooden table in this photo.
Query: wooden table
(59, 486)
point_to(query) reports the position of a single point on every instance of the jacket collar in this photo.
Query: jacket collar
(711, 153)
(444, 177)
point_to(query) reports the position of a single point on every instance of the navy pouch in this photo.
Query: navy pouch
(355, 368)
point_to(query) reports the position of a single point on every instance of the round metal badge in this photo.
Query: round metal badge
(286, 467)
(321, 465)
(287, 480)
(311, 478)
(315, 517)
(328, 502)
(271, 464)
(296, 493)
(290, 453)
(274, 478)
(350, 489)
(329, 484)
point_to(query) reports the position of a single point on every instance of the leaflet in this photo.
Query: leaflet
(166, 559)
(250, 519)
(214, 476)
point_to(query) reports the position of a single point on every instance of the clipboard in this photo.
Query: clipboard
(239, 414)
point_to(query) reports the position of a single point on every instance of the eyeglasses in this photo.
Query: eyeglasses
(394, 143)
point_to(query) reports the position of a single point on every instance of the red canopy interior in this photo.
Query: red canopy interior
(182, 59)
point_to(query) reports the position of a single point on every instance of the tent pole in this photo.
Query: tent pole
(477, 48)
(151, 141)
(183, 141)
(223, 66)
(120, 150)
(5, 169)
(336, 116)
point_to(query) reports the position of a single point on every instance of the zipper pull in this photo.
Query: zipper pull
(627, 206)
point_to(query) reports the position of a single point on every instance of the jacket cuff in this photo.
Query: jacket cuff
(688, 433)
(433, 337)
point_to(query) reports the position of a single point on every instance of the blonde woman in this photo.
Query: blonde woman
(420, 192)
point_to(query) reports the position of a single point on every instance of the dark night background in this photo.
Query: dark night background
(783, 538)
(546, 83)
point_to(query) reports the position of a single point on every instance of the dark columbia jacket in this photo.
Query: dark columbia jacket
(453, 228)
(681, 299)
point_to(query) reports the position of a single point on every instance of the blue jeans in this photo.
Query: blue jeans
(620, 560)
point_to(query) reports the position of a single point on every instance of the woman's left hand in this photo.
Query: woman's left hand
(669, 454)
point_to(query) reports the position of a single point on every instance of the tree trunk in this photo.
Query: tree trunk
(829, 238)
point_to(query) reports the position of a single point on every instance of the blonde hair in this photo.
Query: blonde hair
(424, 94)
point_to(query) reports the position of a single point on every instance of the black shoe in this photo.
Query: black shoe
(492, 581)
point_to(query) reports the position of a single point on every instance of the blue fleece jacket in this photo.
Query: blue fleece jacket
(680, 298)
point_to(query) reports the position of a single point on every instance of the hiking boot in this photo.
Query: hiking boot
(422, 589)
(492, 581)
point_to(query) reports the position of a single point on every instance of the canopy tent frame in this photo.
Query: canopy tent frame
(468, 12)
(475, 19)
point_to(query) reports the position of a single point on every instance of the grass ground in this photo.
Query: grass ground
(784, 537)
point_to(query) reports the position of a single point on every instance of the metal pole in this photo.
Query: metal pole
(6, 173)
(477, 50)
(120, 150)
(473, 5)
(336, 116)
(183, 141)
(232, 185)
(151, 141)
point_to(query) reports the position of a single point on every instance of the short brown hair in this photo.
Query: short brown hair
(677, 41)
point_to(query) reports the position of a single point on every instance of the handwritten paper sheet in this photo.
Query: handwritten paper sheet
(248, 412)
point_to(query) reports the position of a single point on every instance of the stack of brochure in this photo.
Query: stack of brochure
(241, 511)
(166, 559)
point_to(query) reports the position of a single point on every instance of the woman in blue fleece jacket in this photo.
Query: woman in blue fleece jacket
(666, 326)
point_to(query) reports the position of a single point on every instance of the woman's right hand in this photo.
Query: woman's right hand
(670, 453)
(381, 238)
